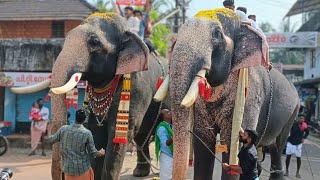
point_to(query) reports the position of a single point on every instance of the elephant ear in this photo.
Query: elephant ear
(251, 49)
(133, 56)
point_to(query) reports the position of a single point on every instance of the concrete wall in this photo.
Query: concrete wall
(32, 29)
(29, 55)
(312, 72)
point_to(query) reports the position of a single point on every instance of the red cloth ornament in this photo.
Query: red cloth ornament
(47, 98)
(76, 78)
(75, 106)
(72, 101)
(120, 140)
(202, 87)
(159, 82)
(66, 101)
(190, 162)
(207, 93)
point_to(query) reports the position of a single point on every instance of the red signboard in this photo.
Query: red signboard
(132, 2)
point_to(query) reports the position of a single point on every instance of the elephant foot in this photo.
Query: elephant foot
(141, 170)
(277, 176)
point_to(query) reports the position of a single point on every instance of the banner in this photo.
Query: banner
(26, 78)
(132, 2)
(293, 40)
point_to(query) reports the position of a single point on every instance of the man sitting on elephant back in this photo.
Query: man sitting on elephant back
(164, 145)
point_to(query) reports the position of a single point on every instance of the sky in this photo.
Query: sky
(271, 11)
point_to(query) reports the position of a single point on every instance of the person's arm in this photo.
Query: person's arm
(306, 133)
(56, 137)
(92, 149)
(163, 136)
(116, 8)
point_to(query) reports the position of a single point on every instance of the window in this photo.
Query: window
(313, 59)
(57, 29)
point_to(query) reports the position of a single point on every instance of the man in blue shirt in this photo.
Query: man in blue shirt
(164, 145)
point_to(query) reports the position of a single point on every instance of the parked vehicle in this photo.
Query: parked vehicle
(4, 144)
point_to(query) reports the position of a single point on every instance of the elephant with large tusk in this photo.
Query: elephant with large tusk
(214, 46)
(118, 66)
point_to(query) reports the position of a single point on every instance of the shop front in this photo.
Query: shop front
(17, 106)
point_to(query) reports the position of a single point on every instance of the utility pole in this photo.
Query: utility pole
(176, 19)
(183, 11)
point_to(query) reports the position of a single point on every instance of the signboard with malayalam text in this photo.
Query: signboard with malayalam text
(293, 40)
(132, 2)
(19, 79)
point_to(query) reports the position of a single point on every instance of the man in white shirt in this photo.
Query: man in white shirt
(44, 113)
(133, 22)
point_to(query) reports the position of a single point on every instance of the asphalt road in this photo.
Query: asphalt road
(38, 167)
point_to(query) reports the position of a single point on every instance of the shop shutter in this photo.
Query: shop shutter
(24, 104)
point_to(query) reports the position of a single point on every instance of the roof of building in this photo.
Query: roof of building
(313, 24)
(293, 67)
(302, 6)
(11, 10)
(308, 81)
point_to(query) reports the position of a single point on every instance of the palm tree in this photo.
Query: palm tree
(102, 5)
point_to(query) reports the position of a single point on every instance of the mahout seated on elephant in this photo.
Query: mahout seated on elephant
(214, 46)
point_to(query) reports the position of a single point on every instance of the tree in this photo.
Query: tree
(102, 5)
(267, 27)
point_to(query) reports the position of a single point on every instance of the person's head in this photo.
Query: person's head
(35, 105)
(252, 17)
(229, 4)
(80, 116)
(167, 116)
(40, 102)
(138, 14)
(301, 118)
(128, 11)
(249, 137)
(243, 9)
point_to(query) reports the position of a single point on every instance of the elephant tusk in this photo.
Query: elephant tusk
(33, 88)
(73, 81)
(193, 91)
(162, 91)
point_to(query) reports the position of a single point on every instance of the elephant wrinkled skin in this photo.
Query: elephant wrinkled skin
(101, 48)
(216, 41)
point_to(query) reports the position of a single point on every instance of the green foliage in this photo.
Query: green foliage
(102, 5)
(159, 34)
(158, 37)
(267, 27)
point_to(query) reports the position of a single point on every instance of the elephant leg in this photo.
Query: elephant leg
(277, 148)
(143, 167)
(203, 160)
(100, 138)
(114, 157)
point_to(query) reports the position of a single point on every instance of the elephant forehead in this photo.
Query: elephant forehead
(107, 16)
(213, 14)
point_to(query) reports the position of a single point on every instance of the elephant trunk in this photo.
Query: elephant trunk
(65, 75)
(183, 92)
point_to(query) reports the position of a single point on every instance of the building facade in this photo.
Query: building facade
(31, 37)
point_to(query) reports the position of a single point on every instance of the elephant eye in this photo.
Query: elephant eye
(217, 34)
(94, 41)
